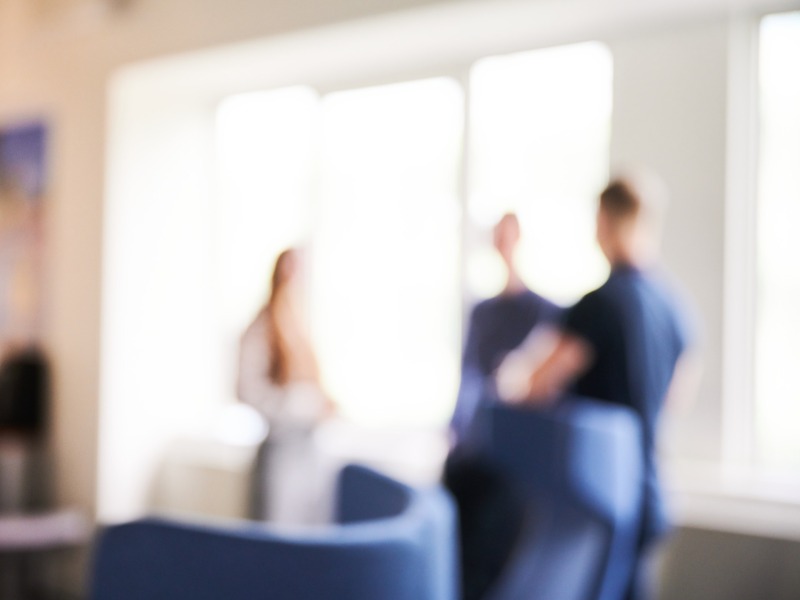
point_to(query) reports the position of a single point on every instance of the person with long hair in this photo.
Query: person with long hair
(279, 377)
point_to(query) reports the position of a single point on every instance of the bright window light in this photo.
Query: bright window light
(386, 285)
(777, 388)
(540, 130)
(265, 155)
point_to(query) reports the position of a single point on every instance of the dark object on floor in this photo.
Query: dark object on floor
(24, 392)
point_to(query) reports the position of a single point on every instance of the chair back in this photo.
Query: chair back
(579, 465)
(395, 542)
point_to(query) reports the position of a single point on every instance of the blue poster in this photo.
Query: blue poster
(23, 187)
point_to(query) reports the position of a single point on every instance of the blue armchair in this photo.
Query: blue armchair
(393, 542)
(579, 467)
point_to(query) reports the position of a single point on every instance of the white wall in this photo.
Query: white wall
(670, 93)
(157, 294)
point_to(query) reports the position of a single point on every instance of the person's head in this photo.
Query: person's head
(629, 218)
(285, 271)
(506, 237)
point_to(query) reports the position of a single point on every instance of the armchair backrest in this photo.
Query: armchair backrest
(580, 466)
(396, 543)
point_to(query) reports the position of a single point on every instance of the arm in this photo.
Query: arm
(685, 382)
(688, 370)
(545, 369)
(514, 372)
(570, 357)
(556, 356)
(471, 383)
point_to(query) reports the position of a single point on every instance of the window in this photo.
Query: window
(386, 250)
(383, 230)
(380, 180)
(265, 144)
(777, 355)
(371, 177)
(540, 133)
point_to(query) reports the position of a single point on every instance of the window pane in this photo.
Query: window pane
(386, 289)
(540, 130)
(778, 294)
(265, 145)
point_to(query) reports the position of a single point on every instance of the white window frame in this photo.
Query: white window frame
(738, 493)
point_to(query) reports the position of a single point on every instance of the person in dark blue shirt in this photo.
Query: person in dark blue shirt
(626, 342)
(489, 513)
(497, 326)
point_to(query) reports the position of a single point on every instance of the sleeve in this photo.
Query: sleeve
(470, 356)
(686, 325)
(471, 385)
(253, 386)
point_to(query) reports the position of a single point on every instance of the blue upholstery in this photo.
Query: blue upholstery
(580, 466)
(395, 542)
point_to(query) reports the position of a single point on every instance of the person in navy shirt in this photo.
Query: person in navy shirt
(489, 511)
(496, 326)
(626, 342)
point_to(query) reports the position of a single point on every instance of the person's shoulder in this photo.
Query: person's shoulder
(544, 301)
(481, 306)
(624, 284)
(527, 297)
(592, 316)
(601, 295)
(544, 306)
(671, 292)
(678, 302)
(600, 305)
(480, 311)
(488, 305)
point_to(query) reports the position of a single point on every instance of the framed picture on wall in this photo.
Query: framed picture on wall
(23, 186)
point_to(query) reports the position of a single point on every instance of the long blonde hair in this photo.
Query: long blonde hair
(278, 367)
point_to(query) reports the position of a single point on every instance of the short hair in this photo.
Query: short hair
(631, 195)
